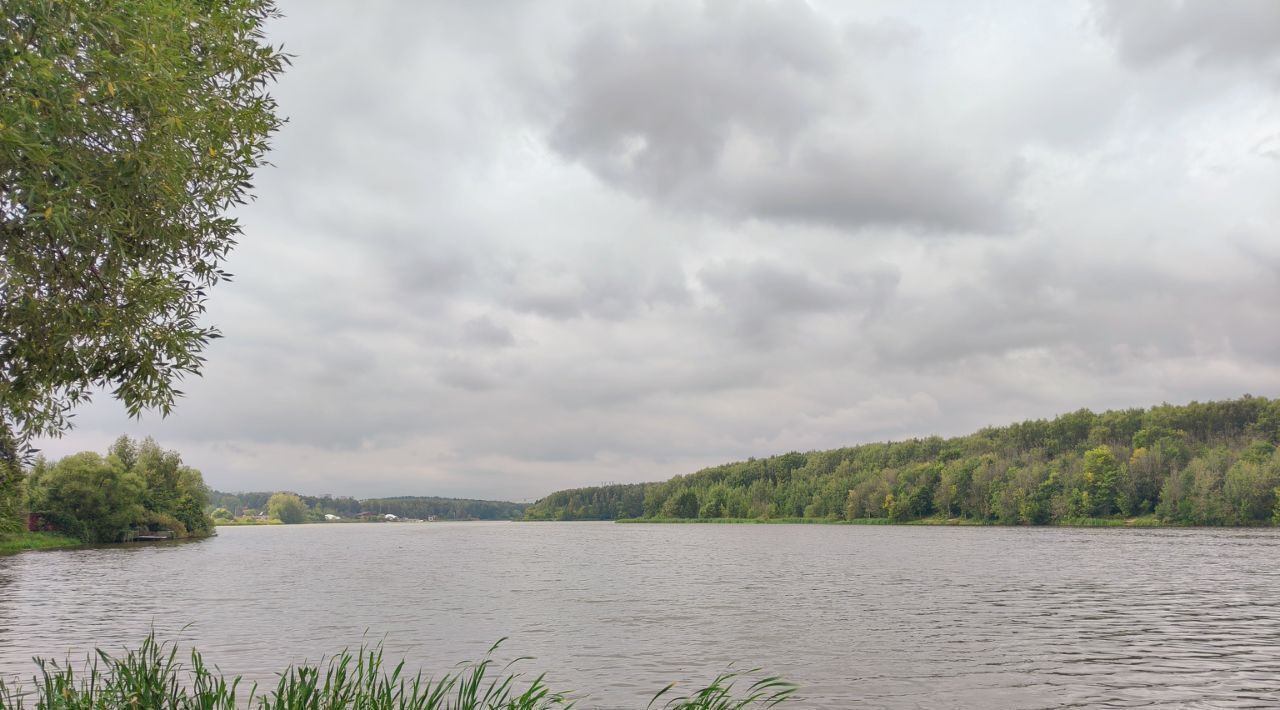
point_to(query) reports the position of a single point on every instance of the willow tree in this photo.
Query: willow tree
(128, 131)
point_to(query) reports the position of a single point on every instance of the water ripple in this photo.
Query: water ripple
(894, 617)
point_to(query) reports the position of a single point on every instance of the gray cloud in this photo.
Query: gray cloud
(483, 332)
(611, 283)
(1240, 32)
(757, 110)
(765, 304)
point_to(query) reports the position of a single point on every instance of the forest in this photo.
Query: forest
(403, 506)
(1210, 463)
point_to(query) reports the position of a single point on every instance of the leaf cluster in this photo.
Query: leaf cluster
(128, 130)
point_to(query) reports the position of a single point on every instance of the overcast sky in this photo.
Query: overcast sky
(513, 247)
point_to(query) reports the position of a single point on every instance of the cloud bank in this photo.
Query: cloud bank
(507, 251)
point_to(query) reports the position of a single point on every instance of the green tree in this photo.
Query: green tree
(192, 499)
(681, 505)
(89, 496)
(10, 496)
(287, 508)
(127, 132)
(160, 470)
(1101, 480)
(126, 450)
(1248, 488)
(171, 488)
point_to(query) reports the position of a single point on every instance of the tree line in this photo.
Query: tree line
(308, 508)
(135, 487)
(1211, 463)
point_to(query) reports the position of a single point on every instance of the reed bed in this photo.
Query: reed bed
(152, 677)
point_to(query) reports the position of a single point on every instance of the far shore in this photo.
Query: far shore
(1146, 521)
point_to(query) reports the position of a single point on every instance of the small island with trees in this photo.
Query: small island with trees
(137, 490)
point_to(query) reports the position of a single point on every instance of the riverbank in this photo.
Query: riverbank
(223, 523)
(23, 541)
(1146, 521)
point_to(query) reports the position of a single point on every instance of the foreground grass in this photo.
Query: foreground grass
(21, 541)
(152, 677)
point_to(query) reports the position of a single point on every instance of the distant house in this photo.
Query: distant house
(331, 516)
(389, 516)
(431, 518)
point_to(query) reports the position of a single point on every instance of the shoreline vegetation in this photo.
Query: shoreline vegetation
(152, 676)
(1200, 464)
(136, 491)
(1147, 521)
(250, 508)
(24, 541)
(1212, 464)
(139, 491)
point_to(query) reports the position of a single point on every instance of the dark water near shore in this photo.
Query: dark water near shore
(895, 617)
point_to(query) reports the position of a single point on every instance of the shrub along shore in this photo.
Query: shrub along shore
(153, 677)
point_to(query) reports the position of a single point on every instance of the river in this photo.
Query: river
(892, 617)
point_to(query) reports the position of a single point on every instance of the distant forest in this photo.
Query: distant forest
(1212, 463)
(402, 506)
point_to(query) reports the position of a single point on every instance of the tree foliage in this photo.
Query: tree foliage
(88, 496)
(10, 495)
(127, 132)
(1212, 463)
(287, 508)
(135, 486)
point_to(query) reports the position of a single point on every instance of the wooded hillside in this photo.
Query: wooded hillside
(1211, 463)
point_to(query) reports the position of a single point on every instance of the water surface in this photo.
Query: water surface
(893, 617)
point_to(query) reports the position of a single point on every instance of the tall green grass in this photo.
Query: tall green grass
(153, 678)
(765, 693)
(22, 541)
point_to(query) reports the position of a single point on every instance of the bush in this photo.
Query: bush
(155, 522)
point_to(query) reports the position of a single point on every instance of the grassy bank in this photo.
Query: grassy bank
(154, 677)
(1146, 521)
(758, 521)
(19, 542)
(245, 521)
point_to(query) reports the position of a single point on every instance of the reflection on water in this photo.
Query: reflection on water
(896, 617)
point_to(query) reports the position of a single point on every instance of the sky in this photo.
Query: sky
(508, 248)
